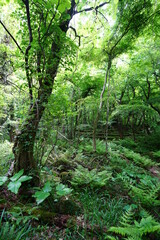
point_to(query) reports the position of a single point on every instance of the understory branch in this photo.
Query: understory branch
(11, 37)
(92, 8)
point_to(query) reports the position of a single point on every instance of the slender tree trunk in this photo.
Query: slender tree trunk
(101, 103)
(107, 116)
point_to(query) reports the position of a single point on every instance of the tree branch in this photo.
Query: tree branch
(76, 35)
(92, 8)
(29, 78)
(12, 37)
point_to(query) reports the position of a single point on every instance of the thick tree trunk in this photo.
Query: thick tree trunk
(24, 143)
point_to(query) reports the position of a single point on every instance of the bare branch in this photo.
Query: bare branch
(76, 35)
(92, 8)
(12, 37)
(102, 15)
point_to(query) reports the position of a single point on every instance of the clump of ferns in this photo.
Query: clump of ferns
(132, 229)
(146, 193)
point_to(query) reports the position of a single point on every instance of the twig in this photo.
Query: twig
(91, 8)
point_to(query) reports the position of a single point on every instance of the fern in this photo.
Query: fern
(146, 194)
(134, 230)
(137, 158)
(127, 218)
(9, 231)
(82, 176)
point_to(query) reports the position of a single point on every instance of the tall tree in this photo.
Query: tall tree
(132, 17)
(44, 45)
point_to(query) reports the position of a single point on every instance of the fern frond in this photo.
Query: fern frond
(146, 195)
(127, 217)
(135, 230)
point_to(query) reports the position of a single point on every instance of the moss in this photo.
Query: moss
(44, 216)
(66, 206)
(64, 165)
(65, 176)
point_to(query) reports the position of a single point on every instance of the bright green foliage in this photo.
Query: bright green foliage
(146, 193)
(62, 190)
(15, 181)
(94, 179)
(3, 180)
(136, 158)
(43, 194)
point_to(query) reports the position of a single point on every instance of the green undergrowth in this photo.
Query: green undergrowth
(112, 196)
(6, 156)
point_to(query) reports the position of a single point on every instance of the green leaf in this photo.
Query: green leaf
(17, 175)
(24, 178)
(14, 186)
(47, 187)
(41, 196)
(3, 180)
(62, 190)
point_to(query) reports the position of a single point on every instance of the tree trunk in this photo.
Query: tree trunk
(101, 103)
(24, 143)
(107, 116)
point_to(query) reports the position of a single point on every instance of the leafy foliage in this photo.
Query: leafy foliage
(60, 191)
(83, 177)
(15, 181)
(10, 231)
(134, 229)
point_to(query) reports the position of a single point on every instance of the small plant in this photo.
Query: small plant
(15, 182)
(21, 215)
(59, 190)
(9, 231)
(43, 193)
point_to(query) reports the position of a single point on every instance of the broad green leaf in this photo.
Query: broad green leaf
(62, 190)
(24, 178)
(47, 187)
(3, 180)
(41, 196)
(17, 175)
(14, 186)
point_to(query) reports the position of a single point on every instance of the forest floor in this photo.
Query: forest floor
(113, 196)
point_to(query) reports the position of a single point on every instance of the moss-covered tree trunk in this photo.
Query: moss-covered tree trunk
(48, 65)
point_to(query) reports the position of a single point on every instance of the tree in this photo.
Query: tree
(132, 17)
(43, 47)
